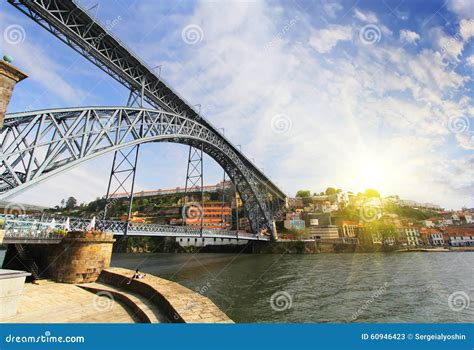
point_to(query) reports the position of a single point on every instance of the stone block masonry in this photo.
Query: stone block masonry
(79, 258)
(180, 304)
(9, 76)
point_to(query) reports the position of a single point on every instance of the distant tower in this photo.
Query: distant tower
(9, 76)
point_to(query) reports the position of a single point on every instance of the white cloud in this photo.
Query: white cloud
(450, 47)
(368, 16)
(466, 140)
(409, 36)
(470, 61)
(466, 28)
(382, 105)
(33, 59)
(323, 40)
(463, 8)
(332, 8)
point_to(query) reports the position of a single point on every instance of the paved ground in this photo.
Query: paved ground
(66, 303)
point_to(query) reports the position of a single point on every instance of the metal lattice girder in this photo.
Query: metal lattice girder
(28, 229)
(72, 25)
(122, 176)
(37, 145)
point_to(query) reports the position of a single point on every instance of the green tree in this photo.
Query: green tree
(381, 229)
(71, 203)
(371, 193)
(303, 193)
(331, 190)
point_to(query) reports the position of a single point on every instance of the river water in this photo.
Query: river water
(377, 287)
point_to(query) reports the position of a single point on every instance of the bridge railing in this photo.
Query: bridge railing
(26, 229)
(54, 227)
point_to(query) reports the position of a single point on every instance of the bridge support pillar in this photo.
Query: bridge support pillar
(9, 76)
(79, 258)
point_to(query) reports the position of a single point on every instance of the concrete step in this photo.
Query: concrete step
(143, 308)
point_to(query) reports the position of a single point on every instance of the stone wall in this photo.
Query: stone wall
(9, 76)
(79, 258)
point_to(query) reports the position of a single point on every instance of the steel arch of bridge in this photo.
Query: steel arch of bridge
(37, 145)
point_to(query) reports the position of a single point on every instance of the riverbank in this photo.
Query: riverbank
(115, 298)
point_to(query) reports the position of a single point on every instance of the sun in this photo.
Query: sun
(374, 172)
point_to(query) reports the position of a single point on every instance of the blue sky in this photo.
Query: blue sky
(349, 94)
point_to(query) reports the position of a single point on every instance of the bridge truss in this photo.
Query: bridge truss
(38, 145)
(28, 230)
(72, 25)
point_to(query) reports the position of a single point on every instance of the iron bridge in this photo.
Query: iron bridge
(36, 145)
(29, 230)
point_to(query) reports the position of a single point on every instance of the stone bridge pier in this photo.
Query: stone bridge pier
(9, 76)
(80, 257)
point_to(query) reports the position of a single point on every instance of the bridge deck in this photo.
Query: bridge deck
(41, 232)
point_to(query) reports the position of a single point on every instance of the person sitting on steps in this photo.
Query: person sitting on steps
(137, 275)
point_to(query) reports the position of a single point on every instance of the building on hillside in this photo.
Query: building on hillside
(326, 203)
(134, 218)
(372, 239)
(348, 228)
(317, 219)
(392, 219)
(457, 236)
(294, 224)
(216, 215)
(295, 203)
(202, 242)
(178, 190)
(409, 235)
(244, 224)
(328, 232)
(461, 241)
(437, 222)
(428, 223)
(418, 205)
(467, 217)
(431, 237)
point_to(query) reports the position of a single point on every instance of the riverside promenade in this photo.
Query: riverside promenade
(112, 299)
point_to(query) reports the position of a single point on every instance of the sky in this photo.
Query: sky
(349, 94)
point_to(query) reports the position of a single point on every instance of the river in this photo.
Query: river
(377, 287)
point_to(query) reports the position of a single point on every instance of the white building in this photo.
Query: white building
(461, 241)
(410, 235)
(428, 223)
(202, 242)
(324, 232)
(436, 239)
